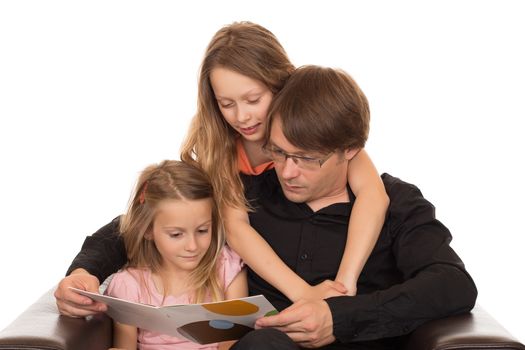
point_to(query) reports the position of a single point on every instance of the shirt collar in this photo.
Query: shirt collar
(275, 190)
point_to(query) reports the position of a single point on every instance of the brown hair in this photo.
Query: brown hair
(171, 180)
(321, 110)
(253, 51)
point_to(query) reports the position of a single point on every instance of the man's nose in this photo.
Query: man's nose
(290, 169)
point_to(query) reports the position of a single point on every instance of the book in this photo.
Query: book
(203, 323)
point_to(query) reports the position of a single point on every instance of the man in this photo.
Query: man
(316, 125)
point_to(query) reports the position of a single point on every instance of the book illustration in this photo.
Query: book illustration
(203, 332)
(202, 323)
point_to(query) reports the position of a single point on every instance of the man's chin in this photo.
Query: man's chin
(294, 196)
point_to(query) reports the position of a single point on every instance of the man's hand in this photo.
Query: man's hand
(308, 322)
(72, 304)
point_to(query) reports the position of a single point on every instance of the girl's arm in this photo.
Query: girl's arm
(366, 221)
(261, 258)
(238, 287)
(124, 336)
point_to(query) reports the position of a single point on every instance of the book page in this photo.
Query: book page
(202, 323)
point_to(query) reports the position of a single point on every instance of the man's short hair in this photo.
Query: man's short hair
(322, 110)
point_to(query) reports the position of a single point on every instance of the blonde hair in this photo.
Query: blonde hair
(253, 51)
(171, 180)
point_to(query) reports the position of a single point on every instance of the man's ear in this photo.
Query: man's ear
(351, 152)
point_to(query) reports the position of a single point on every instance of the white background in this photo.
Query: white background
(93, 91)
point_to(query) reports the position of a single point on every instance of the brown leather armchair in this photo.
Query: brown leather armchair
(41, 327)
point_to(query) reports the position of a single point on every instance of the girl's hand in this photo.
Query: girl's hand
(351, 290)
(323, 290)
(350, 284)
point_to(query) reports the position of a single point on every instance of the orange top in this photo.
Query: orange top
(244, 163)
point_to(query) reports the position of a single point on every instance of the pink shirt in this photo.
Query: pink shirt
(127, 284)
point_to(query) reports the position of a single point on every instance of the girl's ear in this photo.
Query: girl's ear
(148, 235)
(350, 153)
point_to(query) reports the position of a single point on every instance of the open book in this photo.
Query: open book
(201, 323)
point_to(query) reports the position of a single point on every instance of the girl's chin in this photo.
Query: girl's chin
(252, 139)
(255, 137)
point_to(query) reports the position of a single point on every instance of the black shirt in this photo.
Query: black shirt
(412, 275)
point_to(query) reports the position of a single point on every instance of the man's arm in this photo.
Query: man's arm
(435, 285)
(102, 254)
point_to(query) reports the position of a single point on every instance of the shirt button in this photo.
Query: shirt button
(304, 256)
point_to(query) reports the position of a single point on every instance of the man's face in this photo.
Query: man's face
(317, 187)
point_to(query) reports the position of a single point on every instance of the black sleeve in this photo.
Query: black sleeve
(102, 253)
(435, 283)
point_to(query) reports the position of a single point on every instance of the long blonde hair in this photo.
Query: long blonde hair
(253, 51)
(171, 180)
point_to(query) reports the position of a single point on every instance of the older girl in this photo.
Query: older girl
(243, 68)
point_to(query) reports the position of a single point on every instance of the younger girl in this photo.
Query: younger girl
(174, 242)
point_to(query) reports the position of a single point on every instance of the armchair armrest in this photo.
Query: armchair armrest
(42, 327)
(474, 330)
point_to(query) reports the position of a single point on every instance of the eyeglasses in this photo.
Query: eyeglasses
(277, 155)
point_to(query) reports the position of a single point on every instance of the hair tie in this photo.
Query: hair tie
(142, 197)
